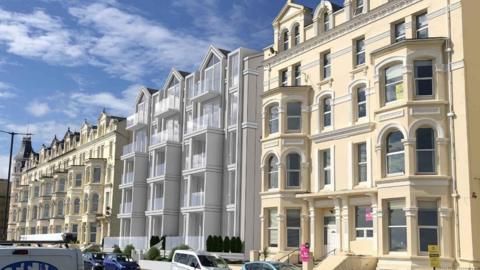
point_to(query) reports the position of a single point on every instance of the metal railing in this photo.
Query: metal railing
(288, 256)
(136, 119)
(134, 147)
(164, 136)
(169, 103)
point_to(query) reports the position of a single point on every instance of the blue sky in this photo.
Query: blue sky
(63, 61)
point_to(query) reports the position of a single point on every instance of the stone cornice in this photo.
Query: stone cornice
(342, 133)
(347, 27)
(290, 89)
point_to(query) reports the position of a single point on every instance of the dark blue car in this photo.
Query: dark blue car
(93, 260)
(119, 262)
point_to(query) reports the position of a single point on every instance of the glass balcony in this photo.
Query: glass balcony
(210, 86)
(136, 120)
(198, 160)
(127, 178)
(158, 170)
(204, 122)
(197, 198)
(158, 203)
(167, 106)
(126, 208)
(133, 147)
(165, 136)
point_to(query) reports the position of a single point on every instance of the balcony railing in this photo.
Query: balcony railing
(134, 147)
(204, 122)
(126, 208)
(136, 119)
(164, 136)
(158, 203)
(198, 160)
(211, 83)
(127, 178)
(170, 103)
(197, 198)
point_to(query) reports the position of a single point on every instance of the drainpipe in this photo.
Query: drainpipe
(451, 117)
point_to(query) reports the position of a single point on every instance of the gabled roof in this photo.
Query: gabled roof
(220, 53)
(289, 4)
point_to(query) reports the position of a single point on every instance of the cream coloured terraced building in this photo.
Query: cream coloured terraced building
(70, 185)
(369, 132)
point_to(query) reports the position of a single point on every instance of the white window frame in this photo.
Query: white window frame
(364, 229)
(297, 72)
(298, 117)
(326, 114)
(296, 35)
(289, 228)
(361, 103)
(416, 79)
(271, 171)
(432, 150)
(326, 65)
(424, 252)
(284, 77)
(419, 28)
(289, 170)
(398, 38)
(272, 215)
(285, 40)
(361, 52)
(326, 167)
(400, 81)
(395, 226)
(387, 155)
(326, 21)
(359, 8)
(361, 163)
(272, 120)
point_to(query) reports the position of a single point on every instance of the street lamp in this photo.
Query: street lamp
(7, 197)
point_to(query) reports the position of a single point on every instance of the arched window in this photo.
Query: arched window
(293, 170)
(60, 208)
(296, 35)
(273, 115)
(94, 205)
(393, 83)
(285, 37)
(395, 153)
(361, 102)
(272, 173)
(76, 206)
(294, 116)
(326, 21)
(425, 150)
(326, 112)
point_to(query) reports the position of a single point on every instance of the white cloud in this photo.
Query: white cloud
(44, 131)
(6, 90)
(37, 108)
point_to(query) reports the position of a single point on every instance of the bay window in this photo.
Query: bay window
(425, 138)
(294, 116)
(293, 170)
(423, 78)
(427, 224)
(393, 83)
(397, 226)
(273, 113)
(272, 227)
(272, 173)
(395, 153)
(293, 228)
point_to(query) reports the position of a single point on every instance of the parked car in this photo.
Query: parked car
(269, 266)
(115, 261)
(191, 260)
(93, 260)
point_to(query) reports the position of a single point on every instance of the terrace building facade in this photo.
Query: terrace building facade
(369, 137)
(70, 185)
(190, 170)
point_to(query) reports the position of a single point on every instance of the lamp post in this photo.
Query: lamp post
(7, 197)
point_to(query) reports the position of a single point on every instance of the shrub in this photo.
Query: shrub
(127, 251)
(152, 254)
(226, 244)
(116, 249)
(209, 243)
(181, 247)
(154, 240)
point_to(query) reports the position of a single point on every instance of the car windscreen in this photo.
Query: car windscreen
(284, 266)
(212, 261)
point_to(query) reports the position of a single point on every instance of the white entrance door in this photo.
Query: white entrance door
(330, 234)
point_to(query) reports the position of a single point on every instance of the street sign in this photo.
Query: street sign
(434, 255)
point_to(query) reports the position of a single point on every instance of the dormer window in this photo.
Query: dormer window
(326, 21)
(359, 7)
(296, 33)
(285, 40)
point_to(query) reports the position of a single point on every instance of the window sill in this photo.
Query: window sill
(326, 81)
(360, 68)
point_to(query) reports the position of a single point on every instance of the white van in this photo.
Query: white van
(191, 260)
(48, 258)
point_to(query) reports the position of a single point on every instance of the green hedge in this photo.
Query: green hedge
(216, 243)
